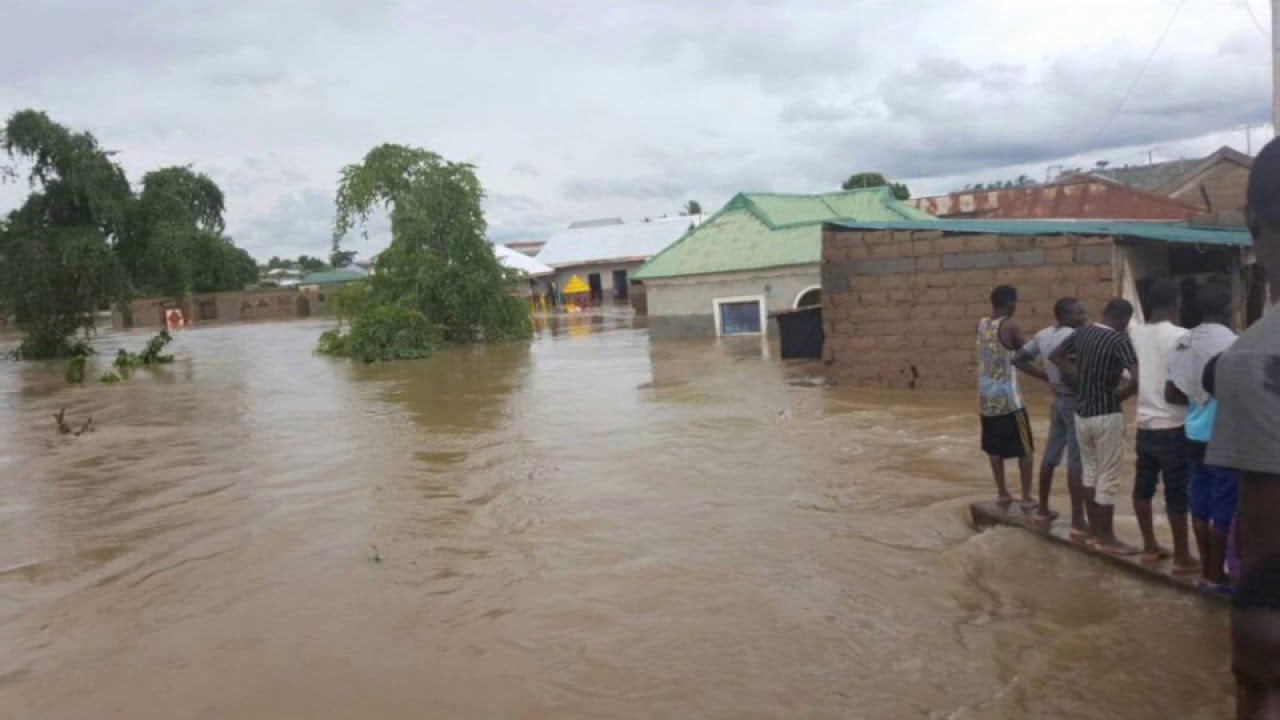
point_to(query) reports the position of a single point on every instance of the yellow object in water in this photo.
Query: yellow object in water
(575, 286)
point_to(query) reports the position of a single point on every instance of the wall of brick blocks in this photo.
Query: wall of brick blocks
(900, 308)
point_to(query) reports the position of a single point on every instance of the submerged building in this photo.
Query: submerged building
(758, 255)
(901, 299)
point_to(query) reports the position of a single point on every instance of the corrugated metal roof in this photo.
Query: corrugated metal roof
(763, 230)
(1091, 197)
(1162, 232)
(517, 260)
(1078, 197)
(600, 243)
(333, 276)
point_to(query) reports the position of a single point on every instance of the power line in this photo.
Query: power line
(1249, 9)
(1124, 98)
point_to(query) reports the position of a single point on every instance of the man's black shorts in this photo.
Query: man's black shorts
(1007, 436)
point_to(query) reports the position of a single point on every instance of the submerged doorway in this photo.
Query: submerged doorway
(619, 284)
(597, 290)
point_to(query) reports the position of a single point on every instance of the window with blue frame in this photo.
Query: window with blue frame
(740, 318)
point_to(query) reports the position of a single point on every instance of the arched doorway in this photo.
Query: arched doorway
(808, 297)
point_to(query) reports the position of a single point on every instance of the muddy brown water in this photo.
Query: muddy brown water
(594, 524)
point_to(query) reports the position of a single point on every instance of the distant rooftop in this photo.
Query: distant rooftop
(594, 223)
(611, 241)
(767, 230)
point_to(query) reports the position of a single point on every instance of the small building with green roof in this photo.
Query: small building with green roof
(758, 255)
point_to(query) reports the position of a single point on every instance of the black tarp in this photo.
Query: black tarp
(801, 332)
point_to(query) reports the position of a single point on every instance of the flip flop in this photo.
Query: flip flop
(1157, 557)
(1186, 569)
(1078, 534)
(1047, 517)
(1028, 504)
(1120, 550)
(1213, 587)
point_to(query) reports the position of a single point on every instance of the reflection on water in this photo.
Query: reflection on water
(588, 525)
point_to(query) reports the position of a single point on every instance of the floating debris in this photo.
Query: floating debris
(66, 429)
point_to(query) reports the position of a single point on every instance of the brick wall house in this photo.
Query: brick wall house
(902, 300)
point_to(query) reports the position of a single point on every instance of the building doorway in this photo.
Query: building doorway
(620, 285)
(597, 290)
(809, 297)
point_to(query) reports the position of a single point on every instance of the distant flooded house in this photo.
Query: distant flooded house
(757, 256)
(331, 279)
(605, 253)
(902, 299)
(526, 265)
(222, 307)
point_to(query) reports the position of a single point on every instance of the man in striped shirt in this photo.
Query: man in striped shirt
(1095, 358)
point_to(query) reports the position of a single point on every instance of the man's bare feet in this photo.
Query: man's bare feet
(1028, 504)
(1189, 567)
(1004, 499)
(1155, 556)
(1117, 548)
(1046, 517)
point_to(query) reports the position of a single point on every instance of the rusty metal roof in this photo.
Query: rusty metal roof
(1080, 197)
(1179, 233)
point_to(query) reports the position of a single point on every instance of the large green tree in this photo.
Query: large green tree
(57, 265)
(174, 244)
(875, 179)
(83, 239)
(439, 266)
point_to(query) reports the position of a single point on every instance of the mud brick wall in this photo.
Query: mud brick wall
(900, 308)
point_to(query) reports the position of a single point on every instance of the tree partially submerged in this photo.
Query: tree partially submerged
(57, 266)
(439, 280)
(82, 240)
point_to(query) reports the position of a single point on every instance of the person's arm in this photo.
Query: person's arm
(1128, 388)
(1011, 335)
(1026, 357)
(1064, 357)
(1173, 395)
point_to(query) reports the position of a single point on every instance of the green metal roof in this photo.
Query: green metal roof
(764, 230)
(1162, 232)
(332, 276)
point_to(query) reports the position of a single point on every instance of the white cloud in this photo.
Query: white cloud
(583, 109)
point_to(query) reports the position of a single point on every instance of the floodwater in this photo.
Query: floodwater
(590, 525)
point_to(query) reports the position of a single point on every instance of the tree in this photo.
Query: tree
(174, 243)
(342, 258)
(693, 207)
(875, 179)
(309, 264)
(439, 278)
(57, 266)
(83, 240)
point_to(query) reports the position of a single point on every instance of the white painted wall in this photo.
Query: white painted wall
(693, 297)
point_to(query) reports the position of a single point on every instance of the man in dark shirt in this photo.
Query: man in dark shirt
(1095, 357)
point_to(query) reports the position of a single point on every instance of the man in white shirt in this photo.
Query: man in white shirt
(1161, 446)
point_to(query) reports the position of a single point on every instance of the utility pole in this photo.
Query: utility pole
(1275, 67)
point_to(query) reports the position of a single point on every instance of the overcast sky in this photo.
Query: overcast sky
(584, 109)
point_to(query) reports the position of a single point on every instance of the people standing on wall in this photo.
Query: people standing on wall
(1212, 489)
(1006, 430)
(1069, 314)
(1161, 446)
(1096, 357)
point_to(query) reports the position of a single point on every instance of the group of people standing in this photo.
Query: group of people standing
(1093, 368)
(1208, 417)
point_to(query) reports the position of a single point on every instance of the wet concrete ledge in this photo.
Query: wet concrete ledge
(988, 514)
